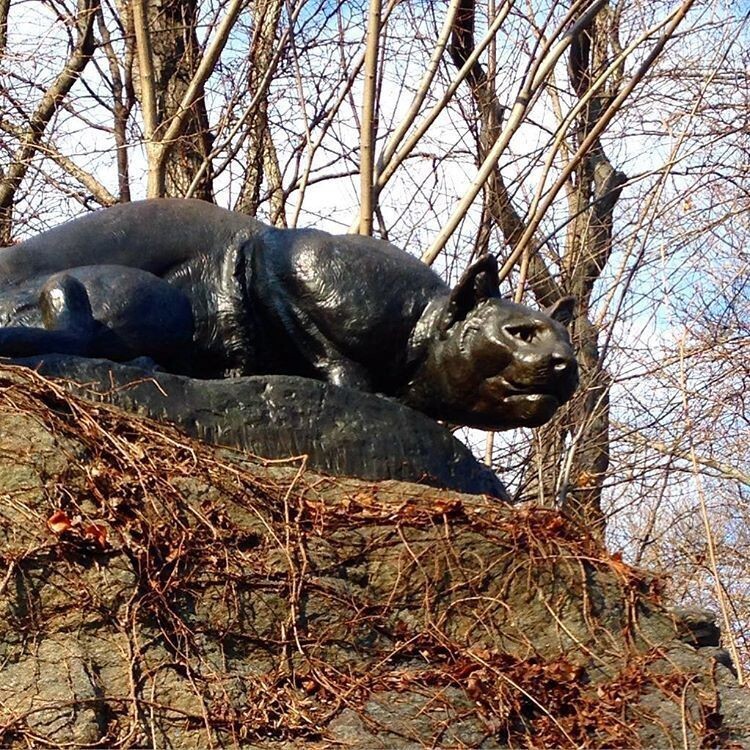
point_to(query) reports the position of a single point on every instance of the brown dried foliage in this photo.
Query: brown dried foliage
(134, 474)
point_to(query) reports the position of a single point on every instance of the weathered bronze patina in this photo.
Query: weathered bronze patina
(210, 293)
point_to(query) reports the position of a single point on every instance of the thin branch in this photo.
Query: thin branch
(721, 597)
(390, 165)
(92, 185)
(369, 116)
(354, 68)
(156, 174)
(120, 110)
(424, 86)
(632, 435)
(259, 94)
(48, 105)
(543, 206)
(530, 91)
(208, 62)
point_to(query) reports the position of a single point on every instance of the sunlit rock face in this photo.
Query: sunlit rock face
(159, 593)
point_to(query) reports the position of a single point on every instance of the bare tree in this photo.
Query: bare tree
(572, 478)
(501, 128)
(262, 159)
(30, 135)
(173, 69)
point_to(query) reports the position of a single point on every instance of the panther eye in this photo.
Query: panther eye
(524, 332)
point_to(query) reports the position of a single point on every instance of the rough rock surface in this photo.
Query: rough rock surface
(160, 593)
(342, 431)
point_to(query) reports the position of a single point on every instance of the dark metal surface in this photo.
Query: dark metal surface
(211, 293)
(342, 431)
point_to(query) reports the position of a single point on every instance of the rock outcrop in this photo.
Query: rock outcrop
(158, 592)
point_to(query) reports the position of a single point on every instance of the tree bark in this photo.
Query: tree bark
(262, 160)
(589, 245)
(4, 10)
(49, 104)
(167, 69)
(178, 54)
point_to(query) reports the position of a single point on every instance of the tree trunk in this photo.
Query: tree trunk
(4, 10)
(177, 55)
(262, 161)
(598, 186)
(575, 484)
(174, 59)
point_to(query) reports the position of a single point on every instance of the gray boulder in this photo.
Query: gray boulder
(158, 592)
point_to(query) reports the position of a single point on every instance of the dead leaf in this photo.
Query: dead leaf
(96, 533)
(59, 522)
(474, 688)
(447, 507)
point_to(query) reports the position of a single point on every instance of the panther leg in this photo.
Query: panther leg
(65, 306)
(343, 372)
(69, 325)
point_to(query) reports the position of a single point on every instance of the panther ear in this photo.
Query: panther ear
(478, 283)
(563, 310)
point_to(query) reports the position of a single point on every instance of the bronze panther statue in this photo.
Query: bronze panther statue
(210, 293)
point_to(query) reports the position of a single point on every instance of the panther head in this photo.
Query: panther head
(491, 363)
